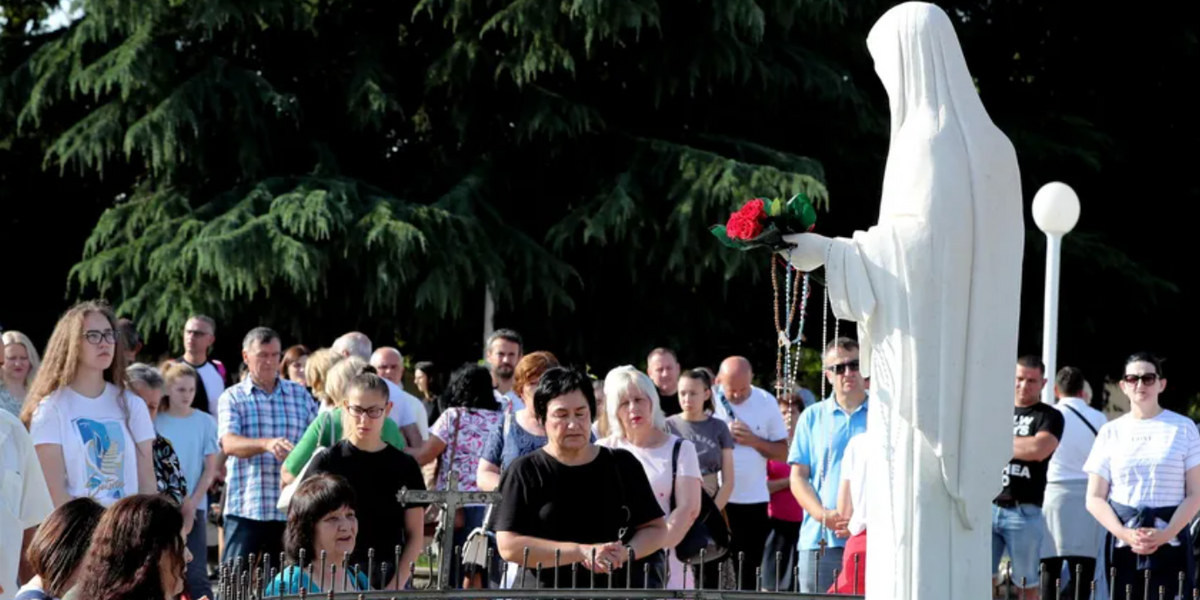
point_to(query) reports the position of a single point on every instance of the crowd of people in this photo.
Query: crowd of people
(114, 470)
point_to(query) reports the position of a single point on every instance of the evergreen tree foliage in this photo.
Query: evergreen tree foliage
(275, 148)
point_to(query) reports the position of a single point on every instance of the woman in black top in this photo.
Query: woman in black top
(572, 502)
(377, 472)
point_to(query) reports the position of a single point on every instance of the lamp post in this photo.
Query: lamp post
(1055, 210)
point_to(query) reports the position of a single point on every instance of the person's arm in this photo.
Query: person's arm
(1035, 448)
(778, 484)
(429, 451)
(1183, 514)
(845, 507)
(770, 450)
(687, 508)
(649, 538)
(244, 447)
(487, 476)
(727, 474)
(513, 545)
(1097, 504)
(200, 492)
(412, 438)
(304, 449)
(54, 467)
(414, 541)
(807, 497)
(147, 481)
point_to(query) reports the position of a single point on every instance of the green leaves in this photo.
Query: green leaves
(364, 160)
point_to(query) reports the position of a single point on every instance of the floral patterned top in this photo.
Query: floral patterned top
(473, 429)
(167, 470)
(8, 402)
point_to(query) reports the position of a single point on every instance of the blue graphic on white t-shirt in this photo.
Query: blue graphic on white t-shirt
(104, 456)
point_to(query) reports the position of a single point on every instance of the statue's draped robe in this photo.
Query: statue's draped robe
(935, 290)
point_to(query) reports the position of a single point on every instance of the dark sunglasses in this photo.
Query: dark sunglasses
(841, 369)
(1146, 379)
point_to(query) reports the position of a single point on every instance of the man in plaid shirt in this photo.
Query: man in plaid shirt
(259, 420)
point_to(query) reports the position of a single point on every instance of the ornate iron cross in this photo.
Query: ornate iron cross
(450, 500)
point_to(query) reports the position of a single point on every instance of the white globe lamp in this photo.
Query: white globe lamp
(1056, 211)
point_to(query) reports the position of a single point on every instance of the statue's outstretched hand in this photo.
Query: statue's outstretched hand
(809, 251)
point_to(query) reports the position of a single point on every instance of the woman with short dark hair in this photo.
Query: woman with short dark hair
(1144, 486)
(574, 502)
(137, 553)
(321, 518)
(59, 547)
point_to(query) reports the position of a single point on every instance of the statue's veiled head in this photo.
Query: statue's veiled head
(921, 65)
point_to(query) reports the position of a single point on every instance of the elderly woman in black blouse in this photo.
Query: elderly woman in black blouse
(574, 502)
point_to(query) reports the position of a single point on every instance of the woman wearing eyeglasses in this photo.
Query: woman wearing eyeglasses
(1144, 485)
(93, 436)
(326, 430)
(377, 471)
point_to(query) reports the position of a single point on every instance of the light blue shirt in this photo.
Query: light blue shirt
(194, 438)
(822, 434)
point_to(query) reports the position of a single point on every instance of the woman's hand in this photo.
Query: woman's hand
(1147, 540)
(608, 557)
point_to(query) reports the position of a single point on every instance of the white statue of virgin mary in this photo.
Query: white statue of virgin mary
(935, 290)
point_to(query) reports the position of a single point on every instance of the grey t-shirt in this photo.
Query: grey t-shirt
(709, 436)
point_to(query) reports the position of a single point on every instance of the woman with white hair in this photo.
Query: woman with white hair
(637, 424)
(16, 374)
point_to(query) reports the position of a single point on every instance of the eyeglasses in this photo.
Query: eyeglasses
(357, 411)
(94, 337)
(196, 332)
(841, 369)
(1146, 379)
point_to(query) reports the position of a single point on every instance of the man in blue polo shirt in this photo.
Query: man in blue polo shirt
(816, 458)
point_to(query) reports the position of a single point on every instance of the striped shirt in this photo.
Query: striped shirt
(1144, 460)
(252, 484)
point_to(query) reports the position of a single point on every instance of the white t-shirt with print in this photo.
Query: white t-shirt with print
(1144, 460)
(98, 440)
(760, 412)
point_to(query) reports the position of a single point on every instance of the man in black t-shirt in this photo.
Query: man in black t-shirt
(1017, 522)
(663, 369)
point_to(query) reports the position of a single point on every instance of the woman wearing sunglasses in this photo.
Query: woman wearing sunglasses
(377, 471)
(1144, 486)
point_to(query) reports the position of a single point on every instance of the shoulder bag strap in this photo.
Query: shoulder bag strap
(675, 468)
(1085, 421)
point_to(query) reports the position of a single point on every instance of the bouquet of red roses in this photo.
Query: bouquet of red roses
(762, 223)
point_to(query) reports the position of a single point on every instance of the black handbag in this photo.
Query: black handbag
(708, 533)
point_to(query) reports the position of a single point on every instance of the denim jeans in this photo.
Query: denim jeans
(197, 583)
(815, 575)
(1019, 531)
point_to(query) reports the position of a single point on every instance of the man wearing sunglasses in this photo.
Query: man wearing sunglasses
(816, 455)
(1017, 522)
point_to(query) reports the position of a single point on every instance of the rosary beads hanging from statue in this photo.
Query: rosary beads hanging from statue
(762, 223)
